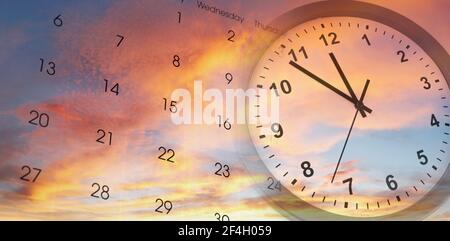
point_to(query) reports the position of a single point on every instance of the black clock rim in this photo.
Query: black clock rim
(350, 8)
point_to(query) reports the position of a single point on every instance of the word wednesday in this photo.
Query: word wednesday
(220, 12)
(188, 231)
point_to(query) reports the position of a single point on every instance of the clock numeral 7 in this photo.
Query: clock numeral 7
(349, 181)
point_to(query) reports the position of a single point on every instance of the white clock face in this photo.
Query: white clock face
(364, 122)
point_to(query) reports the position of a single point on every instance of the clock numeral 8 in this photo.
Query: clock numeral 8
(307, 170)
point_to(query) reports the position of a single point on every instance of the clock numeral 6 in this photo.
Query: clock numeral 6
(420, 155)
(391, 183)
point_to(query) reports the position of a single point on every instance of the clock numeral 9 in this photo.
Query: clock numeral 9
(307, 170)
(391, 183)
(229, 77)
(167, 205)
(223, 170)
(434, 121)
(277, 129)
(285, 87)
(420, 156)
(330, 35)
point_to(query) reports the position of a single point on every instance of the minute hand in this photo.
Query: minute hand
(326, 84)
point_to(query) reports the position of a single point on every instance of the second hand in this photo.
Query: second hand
(358, 105)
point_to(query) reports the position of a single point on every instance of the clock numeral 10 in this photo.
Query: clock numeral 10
(285, 87)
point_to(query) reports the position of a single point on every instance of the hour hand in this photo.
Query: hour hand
(347, 84)
(329, 86)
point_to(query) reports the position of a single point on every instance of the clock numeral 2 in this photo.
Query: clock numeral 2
(403, 56)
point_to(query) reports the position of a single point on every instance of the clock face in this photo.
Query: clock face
(363, 127)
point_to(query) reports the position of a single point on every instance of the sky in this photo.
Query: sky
(85, 51)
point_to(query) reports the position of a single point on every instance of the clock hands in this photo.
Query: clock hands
(329, 86)
(361, 99)
(347, 84)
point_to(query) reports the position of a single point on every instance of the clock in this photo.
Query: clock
(363, 121)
